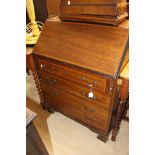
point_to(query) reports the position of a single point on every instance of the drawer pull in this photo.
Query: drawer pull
(89, 95)
(90, 110)
(42, 66)
(69, 2)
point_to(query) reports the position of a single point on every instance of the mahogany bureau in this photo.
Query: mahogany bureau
(77, 67)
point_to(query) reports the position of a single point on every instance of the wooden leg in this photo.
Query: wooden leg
(103, 137)
(126, 118)
(27, 71)
(118, 119)
(121, 108)
(48, 108)
(41, 96)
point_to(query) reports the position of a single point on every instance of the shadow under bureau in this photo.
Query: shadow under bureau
(77, 67)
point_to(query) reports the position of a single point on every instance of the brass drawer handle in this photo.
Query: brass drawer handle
(86, 95)
(90, 110)
(42, 66)
(69, 3)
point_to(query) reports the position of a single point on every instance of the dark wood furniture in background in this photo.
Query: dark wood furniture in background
(53, 7)
(34, 144)
(77, 70)
(100, 11)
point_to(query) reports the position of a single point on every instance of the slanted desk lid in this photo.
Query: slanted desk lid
(94, 47)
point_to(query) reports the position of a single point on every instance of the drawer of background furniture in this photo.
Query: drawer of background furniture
(90, 2)
(77, 108)
(75, 75)
(78, 90)
(92, 10)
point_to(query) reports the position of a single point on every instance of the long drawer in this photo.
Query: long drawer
(78, 90)
(99, 10)
(75, 107)
(90, 2)
(93, 7)
(81, 77)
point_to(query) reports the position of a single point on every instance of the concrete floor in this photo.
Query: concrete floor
(63, 136)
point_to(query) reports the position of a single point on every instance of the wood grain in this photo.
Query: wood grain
(94, 47)
(112, 20)
(73, 74)
(53, 7)
(93, 10)
(92, 2)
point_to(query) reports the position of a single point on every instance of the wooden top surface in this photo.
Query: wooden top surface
(95, 47)
(125, 72)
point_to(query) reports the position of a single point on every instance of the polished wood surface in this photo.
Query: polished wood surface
(100, 10)
(97, 11)
(77, 108)
(77, 70)
(78, 48)
(59, 81)
(75, 75)
(91, 2)
(76, 90)
(112, 20)
(53, 7)
(95, 7)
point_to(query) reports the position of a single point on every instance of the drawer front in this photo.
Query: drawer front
(92, 10)
(84, 78)
(77, 90)
(88, 7)
(90, 2)
(75, 107)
